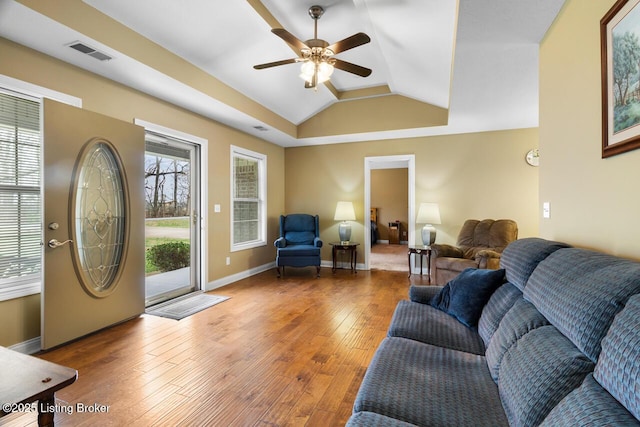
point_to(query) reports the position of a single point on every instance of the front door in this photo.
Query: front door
(93, 192)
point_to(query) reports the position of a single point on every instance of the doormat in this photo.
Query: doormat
(184, 306)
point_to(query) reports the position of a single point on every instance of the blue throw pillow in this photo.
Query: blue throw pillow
(465, 296)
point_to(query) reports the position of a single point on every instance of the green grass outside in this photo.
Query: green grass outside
(173, 222)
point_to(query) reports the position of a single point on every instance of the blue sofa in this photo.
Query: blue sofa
(558, 344)
(299, 242)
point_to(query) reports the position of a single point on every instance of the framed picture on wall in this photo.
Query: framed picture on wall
(620, 51)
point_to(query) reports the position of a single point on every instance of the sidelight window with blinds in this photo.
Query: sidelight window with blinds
(20, 200)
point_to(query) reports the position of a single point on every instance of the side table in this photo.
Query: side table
(421, 251)
(351, 248)
(27, 379)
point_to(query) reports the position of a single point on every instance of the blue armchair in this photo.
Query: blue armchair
(299, 242)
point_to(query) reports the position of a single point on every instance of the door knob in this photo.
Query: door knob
(54, 243)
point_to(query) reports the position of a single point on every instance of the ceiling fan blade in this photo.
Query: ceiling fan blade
(275, 63)
(351, 68)
(349, 43)
(289, 38)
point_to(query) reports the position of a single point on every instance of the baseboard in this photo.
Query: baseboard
(27, 347)
(223, 281)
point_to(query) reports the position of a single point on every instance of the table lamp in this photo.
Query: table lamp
(428, 214)
(344, 213)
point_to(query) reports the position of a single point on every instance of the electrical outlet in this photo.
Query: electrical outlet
(545, 210)
(228, 260)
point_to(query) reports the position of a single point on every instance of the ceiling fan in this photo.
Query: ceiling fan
(317, 56)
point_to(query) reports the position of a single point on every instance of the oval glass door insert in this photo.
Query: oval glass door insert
(100, 216)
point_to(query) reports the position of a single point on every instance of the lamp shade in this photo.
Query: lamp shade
(345, 212)
(428, 213)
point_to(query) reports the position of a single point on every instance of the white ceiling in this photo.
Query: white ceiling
(481, 64)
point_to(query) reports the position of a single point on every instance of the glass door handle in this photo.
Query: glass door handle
(54, 243)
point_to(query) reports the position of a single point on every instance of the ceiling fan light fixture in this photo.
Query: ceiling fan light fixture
(325, 70)
(308, 69)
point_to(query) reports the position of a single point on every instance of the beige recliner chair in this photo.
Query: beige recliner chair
(480, 244)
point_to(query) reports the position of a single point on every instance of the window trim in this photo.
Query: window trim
(15, 87)
(30, 90)
(262, 199)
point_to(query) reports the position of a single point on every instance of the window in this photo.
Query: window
(20, 201)
(248, 199)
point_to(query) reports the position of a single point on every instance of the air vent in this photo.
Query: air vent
(261, 128)
(88, 50)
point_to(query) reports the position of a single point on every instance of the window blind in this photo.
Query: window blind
(20, 199)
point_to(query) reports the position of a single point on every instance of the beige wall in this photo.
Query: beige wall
(20, 319)
(112, 99)
(594, 202)
(480, 175)
(389, 193)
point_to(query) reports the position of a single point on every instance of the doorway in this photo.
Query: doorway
(389, 162)
(389, 207)
(172, 217)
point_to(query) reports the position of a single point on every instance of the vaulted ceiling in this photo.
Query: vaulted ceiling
(439, 66)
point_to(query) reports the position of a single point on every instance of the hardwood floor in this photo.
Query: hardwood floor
(280, 352)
